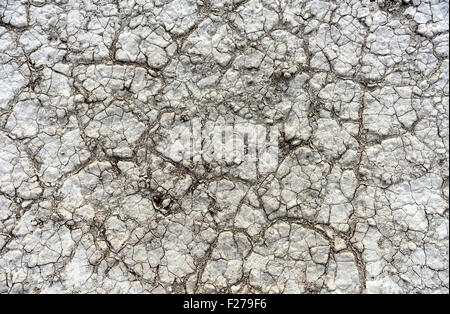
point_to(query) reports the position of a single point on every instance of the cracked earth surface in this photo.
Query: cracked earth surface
(91, 203)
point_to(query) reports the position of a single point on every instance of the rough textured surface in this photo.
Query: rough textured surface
(90, 202)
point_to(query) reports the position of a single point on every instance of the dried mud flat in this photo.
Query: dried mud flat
(91, 202)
